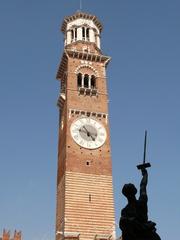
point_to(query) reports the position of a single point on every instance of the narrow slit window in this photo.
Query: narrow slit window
(75, 33)
(79, 80)
(86, 81)
(90, 198)
(72, 35)
(83, 33)
(87, 34)
(93, 82)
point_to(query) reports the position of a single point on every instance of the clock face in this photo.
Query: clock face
(88, 133)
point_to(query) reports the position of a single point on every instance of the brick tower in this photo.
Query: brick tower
(85, 205)
(6, 235)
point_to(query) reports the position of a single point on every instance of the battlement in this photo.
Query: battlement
(7, 235)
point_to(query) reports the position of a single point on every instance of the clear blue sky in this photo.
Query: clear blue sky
(143, 39)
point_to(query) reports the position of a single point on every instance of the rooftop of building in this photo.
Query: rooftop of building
(82, 15)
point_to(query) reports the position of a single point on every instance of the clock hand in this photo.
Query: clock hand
(81, 130)
(88, 133)
(85, 129)
(92, 138)
(94, 134)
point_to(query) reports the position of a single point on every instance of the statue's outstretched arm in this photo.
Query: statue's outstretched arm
(144, 182)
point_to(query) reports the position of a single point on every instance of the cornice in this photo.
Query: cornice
(83, 16)
(87, 56)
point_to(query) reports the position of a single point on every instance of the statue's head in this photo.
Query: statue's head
(129, 190)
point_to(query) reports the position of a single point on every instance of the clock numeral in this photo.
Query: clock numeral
(76, 137)
(88, 145)
(100, 140)
(76, 125)
(102, 134)
(75, 130)
(81, 142)
(88, 120)
(81, 121)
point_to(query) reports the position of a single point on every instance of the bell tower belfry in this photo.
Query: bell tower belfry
(85, 205)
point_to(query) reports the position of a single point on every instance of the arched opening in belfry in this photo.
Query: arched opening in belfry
(75, 34)
(79, 80)
(86, 80)
(72, 35)
(87, 34)
(83, 33)
(93, 82)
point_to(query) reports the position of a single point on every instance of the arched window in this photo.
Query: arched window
(75, 34)
(87, 34)
(83, 33)
(79, 80)
(86, 80)
(72, 35)
(93, 82)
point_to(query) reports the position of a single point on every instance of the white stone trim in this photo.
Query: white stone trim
(103, 236)
(79, 33)
(71, 234)
(98, 42)
(86, 66)
(68, 39)
(92, 35)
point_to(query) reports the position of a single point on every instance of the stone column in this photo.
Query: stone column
(89, 82)
(91, 35)
(82, 80)
(68, 40)
(98, 41)
(79, 33)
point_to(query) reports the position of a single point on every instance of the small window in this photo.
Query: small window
(83, 33)
(75, 33)
(77, 112)
(86, 81)
(93, 82)
(90, 198)
(87, 34)
(79, 80)
(72, 35)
